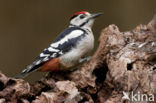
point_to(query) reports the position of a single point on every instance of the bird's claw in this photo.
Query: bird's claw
(85, 59)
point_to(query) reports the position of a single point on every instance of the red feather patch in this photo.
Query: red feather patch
(74, 15)
(82, 12)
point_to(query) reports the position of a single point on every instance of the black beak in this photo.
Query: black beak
(95, 15)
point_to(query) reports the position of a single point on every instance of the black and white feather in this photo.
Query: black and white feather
(72, 44)
(65, 42)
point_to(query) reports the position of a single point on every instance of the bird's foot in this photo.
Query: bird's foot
(85, 59)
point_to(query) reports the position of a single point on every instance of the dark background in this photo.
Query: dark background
(28, 26)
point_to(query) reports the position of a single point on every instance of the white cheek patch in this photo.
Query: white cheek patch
(76, 21)
(73, 34)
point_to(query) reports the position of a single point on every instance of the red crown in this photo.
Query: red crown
(74, 15)
(82, 12)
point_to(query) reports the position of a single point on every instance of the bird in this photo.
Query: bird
(70, 47)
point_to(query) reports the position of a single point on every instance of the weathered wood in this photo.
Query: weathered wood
(123, 61)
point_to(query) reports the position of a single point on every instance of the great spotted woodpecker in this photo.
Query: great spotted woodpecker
(68, 48)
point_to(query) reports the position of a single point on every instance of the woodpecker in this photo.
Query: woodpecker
(69, 48)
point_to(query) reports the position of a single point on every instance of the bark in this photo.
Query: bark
(124, 62)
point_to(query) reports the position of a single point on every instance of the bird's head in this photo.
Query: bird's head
(83, 19)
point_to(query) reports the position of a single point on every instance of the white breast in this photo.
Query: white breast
(84, 47)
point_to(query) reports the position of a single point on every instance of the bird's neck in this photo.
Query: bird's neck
(83, 27)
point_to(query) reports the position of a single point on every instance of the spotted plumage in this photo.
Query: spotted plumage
(70, 46)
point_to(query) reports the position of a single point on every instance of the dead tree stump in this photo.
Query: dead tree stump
(124, 62)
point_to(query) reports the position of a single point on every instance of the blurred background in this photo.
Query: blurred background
(28, 26)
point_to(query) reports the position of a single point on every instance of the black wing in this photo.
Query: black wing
(54, 52)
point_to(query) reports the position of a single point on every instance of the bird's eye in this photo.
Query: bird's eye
(82, 16)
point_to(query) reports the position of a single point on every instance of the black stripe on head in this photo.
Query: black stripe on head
(74, 16)
(84, 23)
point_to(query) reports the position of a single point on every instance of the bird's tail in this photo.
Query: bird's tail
(31, 68)
(24, 73)
(21, 75)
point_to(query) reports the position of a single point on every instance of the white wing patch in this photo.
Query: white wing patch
(44, 55)
(53, 55)
(52, 49)
(73, 34)
(45, 59)
(60, 52)
(38, 62)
